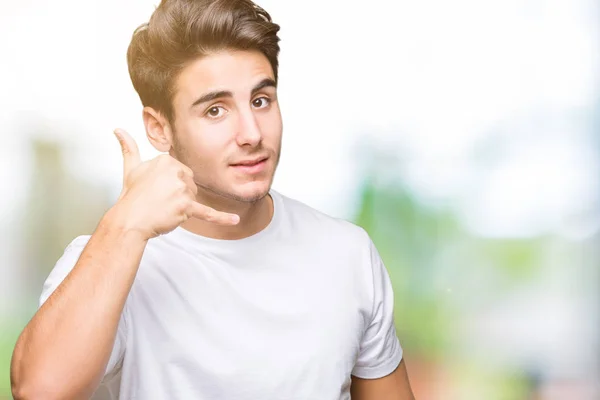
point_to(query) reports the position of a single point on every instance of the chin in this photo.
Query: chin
(250, 192)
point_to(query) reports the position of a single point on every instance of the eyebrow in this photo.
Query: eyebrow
(205, 98)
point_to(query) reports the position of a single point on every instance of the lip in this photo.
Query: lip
(252, 167)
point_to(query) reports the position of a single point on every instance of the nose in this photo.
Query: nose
(248, 129)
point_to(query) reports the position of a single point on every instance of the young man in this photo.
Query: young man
(202, 282)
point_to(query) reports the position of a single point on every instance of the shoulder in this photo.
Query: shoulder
(305, 218)
(71, 253)
(63, 266)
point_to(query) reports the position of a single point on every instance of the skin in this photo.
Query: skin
(210, 136)
(394, 386)
(226, 112)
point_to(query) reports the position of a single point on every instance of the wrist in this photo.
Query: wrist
(117, 221)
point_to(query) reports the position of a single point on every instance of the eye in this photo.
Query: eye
(215, 112)
(261, 102)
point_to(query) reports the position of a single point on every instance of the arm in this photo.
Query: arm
(73, 332)
(63, 352)
(380, 371)
(394, 386)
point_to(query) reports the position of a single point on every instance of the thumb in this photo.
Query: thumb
(131, 153)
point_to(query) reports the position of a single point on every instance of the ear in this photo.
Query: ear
(158, 130)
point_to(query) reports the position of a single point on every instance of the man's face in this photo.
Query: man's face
(227, 119)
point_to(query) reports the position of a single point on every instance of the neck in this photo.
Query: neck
(254, 217)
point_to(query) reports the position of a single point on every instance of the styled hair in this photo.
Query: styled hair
(181, 31)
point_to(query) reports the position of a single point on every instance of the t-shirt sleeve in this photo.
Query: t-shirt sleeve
(62, 268)
(380, 350)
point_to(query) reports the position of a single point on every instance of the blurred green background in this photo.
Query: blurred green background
(464, 137)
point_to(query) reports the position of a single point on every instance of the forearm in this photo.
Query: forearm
(63, 351)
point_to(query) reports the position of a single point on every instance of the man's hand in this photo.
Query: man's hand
(395, 386)
(160, 194)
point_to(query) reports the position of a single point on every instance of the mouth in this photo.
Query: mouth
(251, 166)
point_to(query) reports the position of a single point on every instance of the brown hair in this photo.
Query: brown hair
(180, 31)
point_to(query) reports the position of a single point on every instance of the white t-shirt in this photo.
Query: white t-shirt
(286, 314)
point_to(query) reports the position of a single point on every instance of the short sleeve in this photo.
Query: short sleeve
(380, 350)
(62, 268)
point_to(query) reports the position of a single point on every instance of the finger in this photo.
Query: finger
(184, 169)
(190, 184)
(206, 213)
(129, 148)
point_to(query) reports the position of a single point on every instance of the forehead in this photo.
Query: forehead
(234, 71)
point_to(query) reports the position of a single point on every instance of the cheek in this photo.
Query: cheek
(206, 140)
(271, 126)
